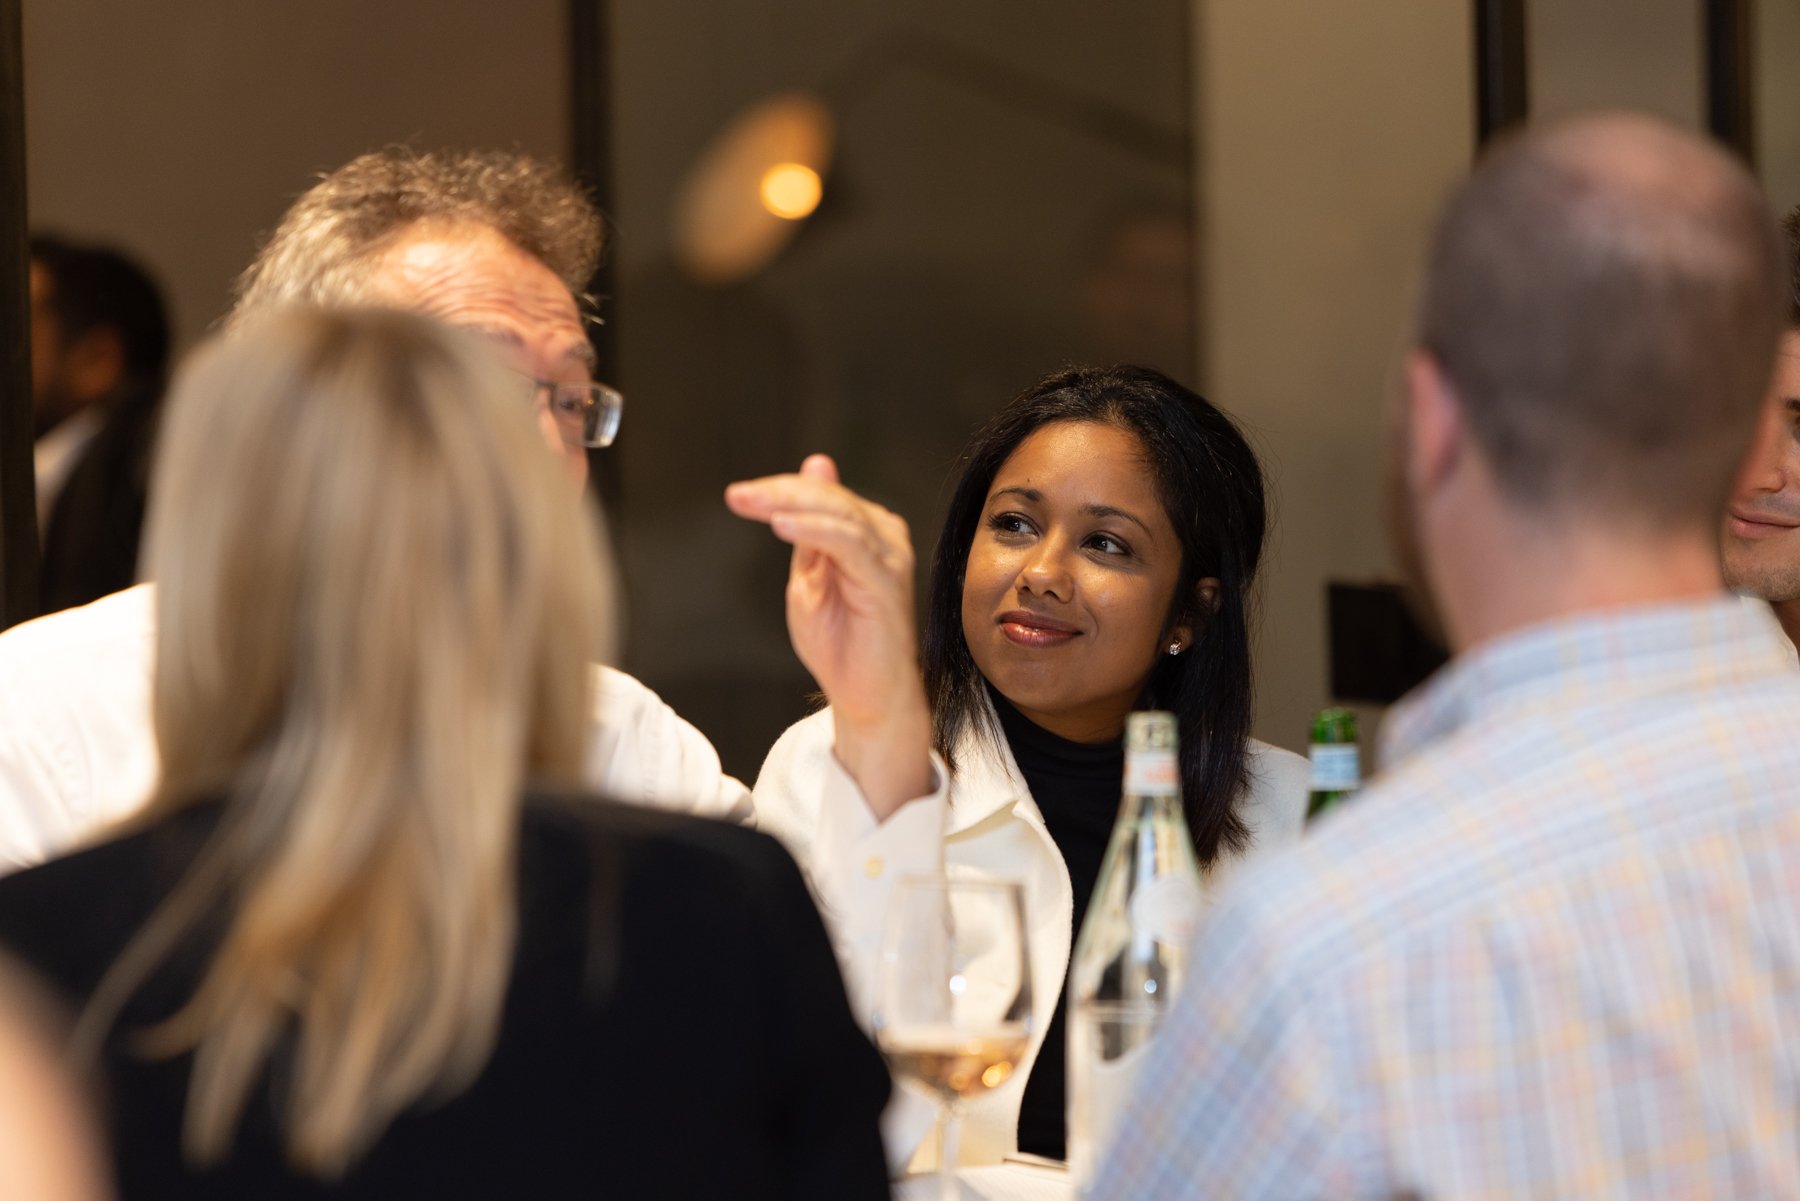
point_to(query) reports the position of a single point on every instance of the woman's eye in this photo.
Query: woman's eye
(1008, 523)
(1109, 545)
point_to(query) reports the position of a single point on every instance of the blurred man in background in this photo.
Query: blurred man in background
(1762, 522)
(99, 361)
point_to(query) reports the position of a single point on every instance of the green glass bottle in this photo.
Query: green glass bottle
(1336, 766)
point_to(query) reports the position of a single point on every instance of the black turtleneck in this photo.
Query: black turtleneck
(1076, 786)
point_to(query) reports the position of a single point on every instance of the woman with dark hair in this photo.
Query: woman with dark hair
(1098, 556)
(1209, 487)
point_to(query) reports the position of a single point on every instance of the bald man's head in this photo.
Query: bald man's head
(1604, 295)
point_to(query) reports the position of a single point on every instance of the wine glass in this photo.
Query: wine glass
(953, 994)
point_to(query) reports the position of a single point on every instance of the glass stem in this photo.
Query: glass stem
(949, 1136)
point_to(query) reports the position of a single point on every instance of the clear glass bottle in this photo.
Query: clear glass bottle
(1130, 959)
(1336, 761)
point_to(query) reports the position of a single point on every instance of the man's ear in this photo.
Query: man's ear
(1435, 424)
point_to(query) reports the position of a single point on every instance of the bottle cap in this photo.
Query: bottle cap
(1151, 768)
(1152, 729)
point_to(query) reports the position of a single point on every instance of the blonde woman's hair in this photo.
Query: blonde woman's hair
(379, 602)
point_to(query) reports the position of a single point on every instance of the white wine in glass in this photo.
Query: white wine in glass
(953, 1004)
(953, 1063)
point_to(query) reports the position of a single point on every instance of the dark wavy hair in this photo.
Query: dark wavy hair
(1211, 487)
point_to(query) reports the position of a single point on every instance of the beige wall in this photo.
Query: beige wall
(1329, 131)
(181, 129)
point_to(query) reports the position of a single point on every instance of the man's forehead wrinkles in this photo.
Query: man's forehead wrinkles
(577, 348)
(496, 291)
(495, 332)
(579, 353)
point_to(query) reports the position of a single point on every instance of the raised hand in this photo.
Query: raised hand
(850, 617)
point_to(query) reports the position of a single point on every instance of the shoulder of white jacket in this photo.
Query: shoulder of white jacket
(1278, 780)
(790, 783)
(1268, 758)
(811, 736)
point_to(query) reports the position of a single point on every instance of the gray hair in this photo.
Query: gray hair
(320, 252)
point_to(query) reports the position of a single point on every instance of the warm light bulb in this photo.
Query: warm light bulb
(791, 190)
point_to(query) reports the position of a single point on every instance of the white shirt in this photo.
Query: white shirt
(77, 751)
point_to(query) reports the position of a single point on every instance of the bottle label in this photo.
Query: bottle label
(1152, 773)
(1167, 909)
(1334, 767)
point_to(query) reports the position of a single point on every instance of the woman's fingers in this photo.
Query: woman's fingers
(862, 552)
(761, 499)
(820, 467)
(811, 510)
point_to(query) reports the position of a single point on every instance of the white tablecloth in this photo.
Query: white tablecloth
(1006, 1182)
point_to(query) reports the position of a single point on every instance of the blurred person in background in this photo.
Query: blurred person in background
(49, 1146)
(1135, 287)
(367, 940)
(1762, 522)
(1549, 951)
(496, 243)
(99, 359)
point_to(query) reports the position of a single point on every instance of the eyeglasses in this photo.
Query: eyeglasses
(585, 414)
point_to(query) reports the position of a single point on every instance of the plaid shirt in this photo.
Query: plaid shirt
(1555, 952)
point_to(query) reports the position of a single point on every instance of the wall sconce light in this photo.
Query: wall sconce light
(763, 175)
(747, 195)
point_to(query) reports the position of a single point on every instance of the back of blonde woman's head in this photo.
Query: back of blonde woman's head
(357, 527)
(379, 602)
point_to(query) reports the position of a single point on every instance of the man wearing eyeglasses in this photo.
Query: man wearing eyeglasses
(495, 243)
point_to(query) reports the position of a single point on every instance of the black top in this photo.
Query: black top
(1076, 786)
(721, 1059)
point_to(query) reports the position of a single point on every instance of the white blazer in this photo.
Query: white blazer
(984, 825)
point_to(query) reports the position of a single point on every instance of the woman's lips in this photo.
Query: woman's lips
(1029, 629)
